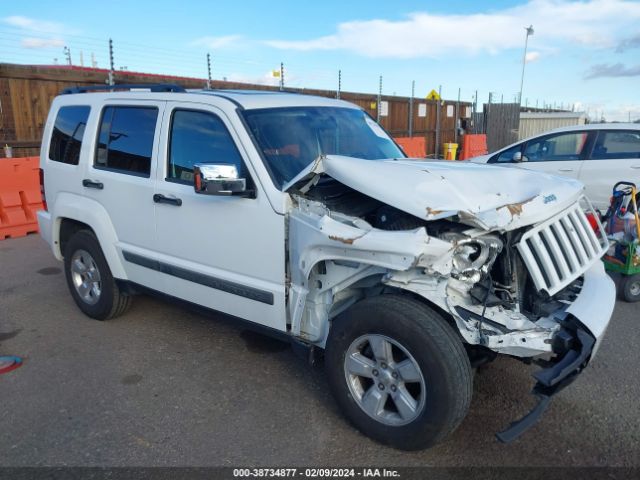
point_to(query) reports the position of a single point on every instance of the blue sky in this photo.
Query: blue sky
(582, 52)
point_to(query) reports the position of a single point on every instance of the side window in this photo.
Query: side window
(199, 137)
(68, 130)
(125, 141)
(506, 156)
(616, 144)
(562, 146)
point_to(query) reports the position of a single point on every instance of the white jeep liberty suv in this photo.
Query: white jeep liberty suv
(300, 215)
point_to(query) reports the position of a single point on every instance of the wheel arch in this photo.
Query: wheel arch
(446, 315)
(73, 213)
(369, 280)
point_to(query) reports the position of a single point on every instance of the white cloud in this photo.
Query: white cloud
(215, 43)
(33, 24)
(29, 42)
(612, 112)
(532, 57)
(38, 34)
(594, 23)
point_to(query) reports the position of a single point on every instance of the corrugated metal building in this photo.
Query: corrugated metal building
(535, 123)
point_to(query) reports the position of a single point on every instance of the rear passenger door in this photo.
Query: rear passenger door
(120, 178)
(222, 252)
(615, 157)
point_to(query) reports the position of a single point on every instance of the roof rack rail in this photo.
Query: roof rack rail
(152, 87)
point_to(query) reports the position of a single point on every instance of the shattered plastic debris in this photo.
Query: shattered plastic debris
(8, 363)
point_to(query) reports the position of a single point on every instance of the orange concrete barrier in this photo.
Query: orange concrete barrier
(473, 145)
(415, 147)
(20, 196)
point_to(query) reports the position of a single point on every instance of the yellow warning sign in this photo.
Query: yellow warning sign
(373, 105)
(433, 95)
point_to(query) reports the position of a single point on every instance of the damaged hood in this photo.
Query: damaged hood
(482, 196)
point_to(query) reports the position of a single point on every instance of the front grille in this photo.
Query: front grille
(559, 250)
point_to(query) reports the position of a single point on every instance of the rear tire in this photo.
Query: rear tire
(423, 358)
(89, 278)
(630, 288)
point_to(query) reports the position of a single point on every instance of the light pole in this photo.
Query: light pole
(529, 30)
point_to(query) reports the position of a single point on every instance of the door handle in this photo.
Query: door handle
(635, 167)
(92, 184)
(565, 169)
(159, 198)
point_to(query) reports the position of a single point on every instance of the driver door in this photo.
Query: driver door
(559, 153)
(223, 252)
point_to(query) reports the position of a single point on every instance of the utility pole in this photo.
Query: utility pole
(438, 105)
(81, 59)
(486, 115)
(67, 53)
(94, 64)
(208, 72)
(413, 94)
(475, 103)
(457, 122)
(379, 98)
(281, 76)
(529, 31)
(339, 84)
(111, 67)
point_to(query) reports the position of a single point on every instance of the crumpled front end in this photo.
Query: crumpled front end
(506, 292)
(538, 292)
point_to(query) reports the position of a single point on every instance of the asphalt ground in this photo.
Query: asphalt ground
(165, 386)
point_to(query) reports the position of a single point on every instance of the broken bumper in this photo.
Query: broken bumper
(583, 326)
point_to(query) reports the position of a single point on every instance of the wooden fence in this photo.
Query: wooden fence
(26, 92)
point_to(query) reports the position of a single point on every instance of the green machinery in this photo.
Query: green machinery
(623, 229)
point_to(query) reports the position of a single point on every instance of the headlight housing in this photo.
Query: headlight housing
(473, 257)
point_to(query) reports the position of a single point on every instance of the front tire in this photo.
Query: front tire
(398, 371)
(89, 278)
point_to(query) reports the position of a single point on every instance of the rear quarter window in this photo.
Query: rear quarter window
(67, 134)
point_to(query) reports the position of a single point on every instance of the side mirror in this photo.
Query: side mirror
(218, 179)
(518, 157)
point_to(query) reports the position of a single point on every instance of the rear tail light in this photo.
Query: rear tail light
(42, 193)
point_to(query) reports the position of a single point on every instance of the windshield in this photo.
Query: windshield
(292, 138)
